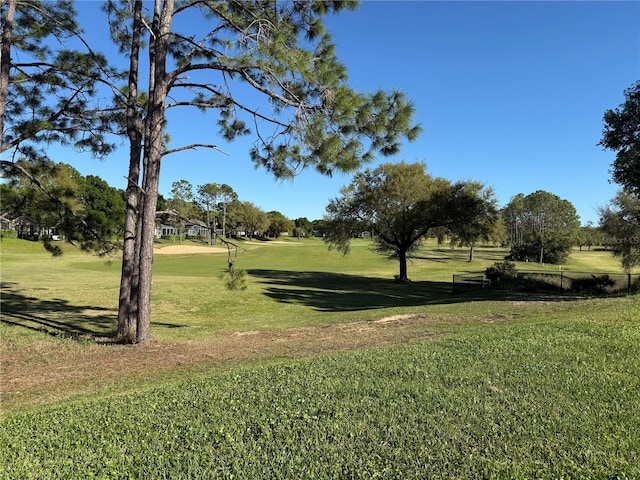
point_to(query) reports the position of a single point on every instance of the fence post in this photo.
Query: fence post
(628, 283)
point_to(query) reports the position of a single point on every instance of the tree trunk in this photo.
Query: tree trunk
(153, 145)
(402, 257)
(224, 221)
(471, 252)
(126, 332)
(5, 56)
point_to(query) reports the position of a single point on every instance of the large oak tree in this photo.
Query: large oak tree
(399, 204)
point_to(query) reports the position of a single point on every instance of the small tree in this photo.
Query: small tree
(207, 198)
(400, 203)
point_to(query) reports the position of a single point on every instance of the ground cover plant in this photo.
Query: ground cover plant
(322, 368)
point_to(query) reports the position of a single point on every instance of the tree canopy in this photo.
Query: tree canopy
(57, 200)
(621, 134)
(399, 203)
(542, 227)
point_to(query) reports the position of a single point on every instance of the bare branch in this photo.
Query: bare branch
(194, 146)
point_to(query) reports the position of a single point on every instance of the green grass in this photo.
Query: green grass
(508, 386)
(553, 398)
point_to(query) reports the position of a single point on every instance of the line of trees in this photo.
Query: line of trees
(44, 211)
(55, 199)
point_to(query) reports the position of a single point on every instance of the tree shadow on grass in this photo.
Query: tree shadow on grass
(55, 317)
(58, 318)
(336, 292)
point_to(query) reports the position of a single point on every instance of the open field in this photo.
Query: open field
(323, 368)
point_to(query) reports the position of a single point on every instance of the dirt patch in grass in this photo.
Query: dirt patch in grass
(53, 369)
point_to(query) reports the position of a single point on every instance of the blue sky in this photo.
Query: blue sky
(508, 93)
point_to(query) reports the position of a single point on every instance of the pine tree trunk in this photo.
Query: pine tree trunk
(5, 54)
(126, 332)
(155, 122)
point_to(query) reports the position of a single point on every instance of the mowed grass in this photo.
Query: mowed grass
(506, 387)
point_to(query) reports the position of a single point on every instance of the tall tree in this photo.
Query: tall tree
(227, 197)
(50, 95)
(621, 134)
(181, 203)
(282, 52)
(129, 42)
(543, 227)
(207, 198)
(216, 198)
(400, 204)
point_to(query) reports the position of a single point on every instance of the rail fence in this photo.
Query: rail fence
(587, 283)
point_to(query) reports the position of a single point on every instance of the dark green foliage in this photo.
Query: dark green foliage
(398, 204)
(621, 134)
(49, 93)
(541, 227)
(58, 200)
(595, 284)
(620, 223)
(501, 271)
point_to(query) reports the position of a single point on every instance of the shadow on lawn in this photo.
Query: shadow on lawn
(56, 316)
(335, 292)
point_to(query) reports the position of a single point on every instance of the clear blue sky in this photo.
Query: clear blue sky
(508, 93)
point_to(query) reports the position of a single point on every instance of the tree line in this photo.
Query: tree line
(301, 113)
(217, 208)
(537, 227)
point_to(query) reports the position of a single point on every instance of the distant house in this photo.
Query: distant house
(196, 229)
(165, 231)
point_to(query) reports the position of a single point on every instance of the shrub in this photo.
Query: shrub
(235, 278)
(9, 234)
(501, 271)
(595, 284)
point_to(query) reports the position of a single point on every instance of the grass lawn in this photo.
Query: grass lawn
(323, 368)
